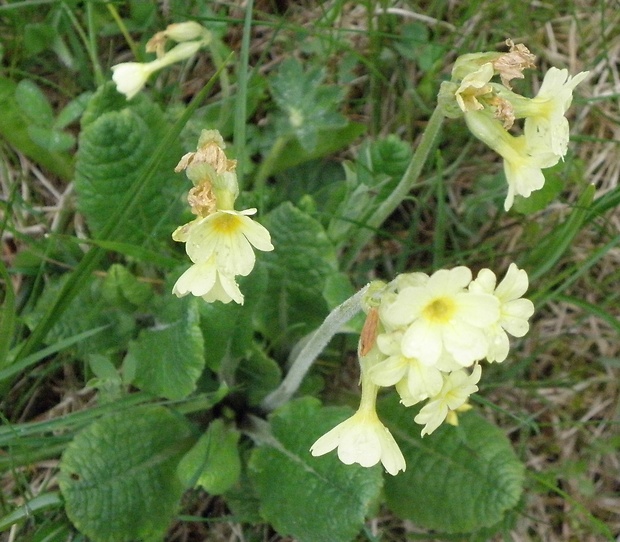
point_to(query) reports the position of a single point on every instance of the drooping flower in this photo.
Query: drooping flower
(523, 159)
(205, 280)
(130, 77)
(442, 316)
(514, 310)
(545, 123)
(456, 389)
(362, 438)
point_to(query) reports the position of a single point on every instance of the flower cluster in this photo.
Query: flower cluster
(426, 335)
(130, 77)
(490, 110)
(219, 241)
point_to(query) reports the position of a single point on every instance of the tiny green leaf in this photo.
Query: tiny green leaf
(457, 479)
(34, 104)
(540, 199)
(122, 288)
(328, 141)
(38, 37)
(314, 499)
(119, 475)
(50, 139)
(72, 111)
(14, 128)
(258, 374)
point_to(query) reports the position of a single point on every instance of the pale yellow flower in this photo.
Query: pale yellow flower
(545, 123)
(514, 310)
(414, 381)
(205, 280)
(130, 77)
(473, 86)
(524, 160)
(457, 388)
(362, 438)
(441, 317)
(226, 236)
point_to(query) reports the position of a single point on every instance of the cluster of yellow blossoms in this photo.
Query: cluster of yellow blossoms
(490, 110)
(219, 241)
(426, 335)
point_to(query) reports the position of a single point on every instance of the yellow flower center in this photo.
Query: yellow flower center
(226, 224)
(440, 310)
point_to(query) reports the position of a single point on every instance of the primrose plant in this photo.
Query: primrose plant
(425, 335)
(252, 289)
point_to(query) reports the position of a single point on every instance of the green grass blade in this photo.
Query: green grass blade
(7, 318)
(241, 101)
(32, 359)
(548, 253)
(25, 512)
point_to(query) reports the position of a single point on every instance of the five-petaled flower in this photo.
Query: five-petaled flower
(442, 316)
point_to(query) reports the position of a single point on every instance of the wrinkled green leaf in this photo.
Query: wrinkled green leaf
(457, 479)
(169, 358)
(119, 475)
(213, 463)
(314, 499)
(115, 145)
(298, 268)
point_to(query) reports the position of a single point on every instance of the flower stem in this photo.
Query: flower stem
(408, 180)
(319, 339)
